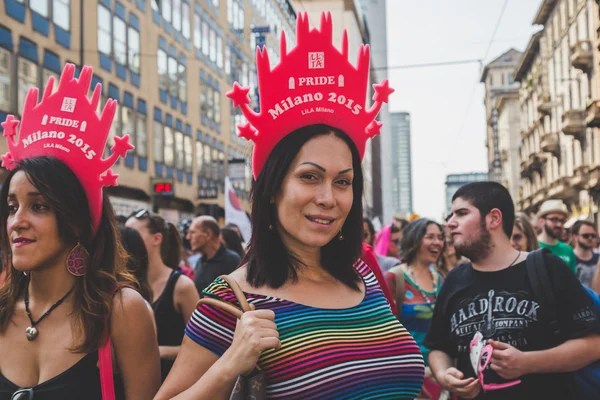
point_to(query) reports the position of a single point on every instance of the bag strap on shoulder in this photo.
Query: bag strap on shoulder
(228, 307)
(542, 287)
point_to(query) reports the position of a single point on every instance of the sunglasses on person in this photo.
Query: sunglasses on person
(481, 357)
(556, 220)
(23, 394)
(589, 235)
(143, 213)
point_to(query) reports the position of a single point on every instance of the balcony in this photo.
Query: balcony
(536, 163)
(525, 170)
(549, 143)
(581, 55)
(579, 179)
(544, 104)
(573, 123)
(592, 118)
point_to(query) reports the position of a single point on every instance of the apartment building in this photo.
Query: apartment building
(560, 150)
(169, 63)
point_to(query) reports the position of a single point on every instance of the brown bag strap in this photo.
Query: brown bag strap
(228, 307)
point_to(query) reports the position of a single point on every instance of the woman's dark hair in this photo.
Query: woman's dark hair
(371, 229)
(235, 229)
(106, 270)
(232, 241)
(269, 261)
(170, 248)
(137, 262)
(412, 237)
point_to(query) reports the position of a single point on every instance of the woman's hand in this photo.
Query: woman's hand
(255, 332)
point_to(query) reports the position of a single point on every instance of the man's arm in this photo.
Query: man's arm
(574, 354)
(442, 367)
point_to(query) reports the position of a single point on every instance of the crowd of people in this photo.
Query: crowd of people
(315, 304)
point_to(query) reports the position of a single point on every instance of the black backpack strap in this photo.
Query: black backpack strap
(543, 289)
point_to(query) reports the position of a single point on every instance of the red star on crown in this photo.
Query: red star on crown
(122, 145)
(9, 126)
(374, 128)
(109, 179)
(247, 131)
(8, 162)
(239, 95)
(382, 91)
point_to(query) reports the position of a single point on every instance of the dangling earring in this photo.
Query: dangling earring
(272, 201)
(340, 236)
(270, 227)
(77, 260)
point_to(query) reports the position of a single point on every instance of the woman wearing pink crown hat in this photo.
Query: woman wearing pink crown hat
(71, 324)
(316, 323)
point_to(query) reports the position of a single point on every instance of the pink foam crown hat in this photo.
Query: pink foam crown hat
(314, 83)
(65, 125)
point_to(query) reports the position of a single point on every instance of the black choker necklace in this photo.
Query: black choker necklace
(31, 332)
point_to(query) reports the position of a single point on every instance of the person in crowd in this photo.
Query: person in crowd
(523, 236)
(216, 260)
(192, 256)
(417, 281)
(231, 240)
(68, 297)
(490, 301)
(584, 238)
(552, 217)
(237, 230)
(450, 258)
(387, 247)
(317, 305)
(137, 262)
(368, 232)
(174, 294)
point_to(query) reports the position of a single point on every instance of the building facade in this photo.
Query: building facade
(560, 149)
(401, 163)
(455, 181)
(169, 63)
(501, 94)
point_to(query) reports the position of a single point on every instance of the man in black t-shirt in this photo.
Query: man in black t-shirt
(584, 239)
(492, 297)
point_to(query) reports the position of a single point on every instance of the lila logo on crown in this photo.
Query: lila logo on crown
(314, 83)
(65, 125)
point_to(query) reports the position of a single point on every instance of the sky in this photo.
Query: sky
(446, 103)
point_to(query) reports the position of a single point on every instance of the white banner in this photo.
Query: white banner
(234, 213)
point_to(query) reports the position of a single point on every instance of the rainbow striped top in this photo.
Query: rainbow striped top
(361, 352)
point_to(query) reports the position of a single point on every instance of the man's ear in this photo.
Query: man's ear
(494, 219)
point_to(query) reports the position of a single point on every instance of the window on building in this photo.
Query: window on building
(120, 40)
(114, 128)
(158, 138)
(177, 14)
(215, 163)
(205, 46)
(182, 75)
(169, 146)
(511, 79)
(163, 70)
(188, 149)
(155, 5)
(28, 78)
(179, 155)
(104, 30)
(133, 53)
(185, 20)
(210, 106)
(40, 7)
(221, 166)
(166, 10)
(127, 123)
(200, 159)
(212, 45)
(207, 169)
(215, 3)
(203, 102)
(61, 14)
(227, 60)
(5, 79)
(141, 136)
(173, 69)
(219, 52)
(217, 105)
(46, 74)
(197, 32)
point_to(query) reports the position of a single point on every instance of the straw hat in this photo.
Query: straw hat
(553, 206)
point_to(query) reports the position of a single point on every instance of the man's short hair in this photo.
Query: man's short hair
(210, 224)
(487, 195)
(577, 226)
